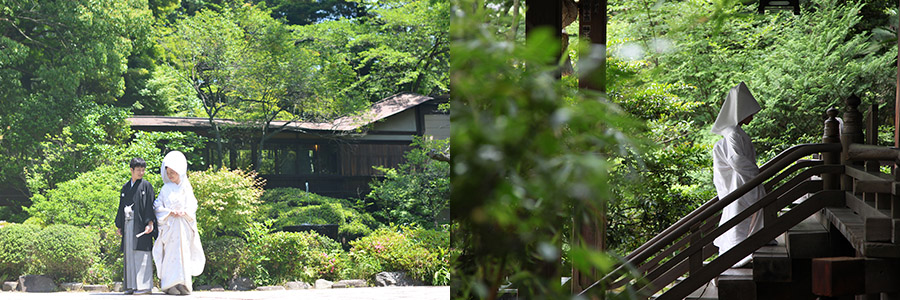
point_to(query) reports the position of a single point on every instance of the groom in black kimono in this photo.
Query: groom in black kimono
(135, 222)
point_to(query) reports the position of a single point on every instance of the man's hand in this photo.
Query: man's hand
(149, 228)
(119, 231)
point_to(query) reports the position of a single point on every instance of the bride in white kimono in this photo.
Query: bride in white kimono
(177, 252)
(734, 164)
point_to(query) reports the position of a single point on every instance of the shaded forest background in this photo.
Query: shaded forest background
(529, 150)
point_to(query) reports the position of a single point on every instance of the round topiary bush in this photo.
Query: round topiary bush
(15, 242)
(304, 256)
(292, 206)
(64, 252)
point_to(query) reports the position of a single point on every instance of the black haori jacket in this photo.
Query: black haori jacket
(142, 196)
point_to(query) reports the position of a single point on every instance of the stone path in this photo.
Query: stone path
(367, 293)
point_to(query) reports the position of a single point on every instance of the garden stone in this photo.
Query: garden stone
(395, 279)
(296, 285)
(96, 288)
(118, 286)
(71, 286)
(10, 285)
(349, 283)
(323, 284)
(209, 287)
(240, 284)
(217, 289)
(36, 284)
(270, 288)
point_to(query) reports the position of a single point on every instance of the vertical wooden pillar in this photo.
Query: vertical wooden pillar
(851, 133)
(897, 98)
(872, 135)
(832, 127)
(543, 14)
(592, 27)
(592, 75)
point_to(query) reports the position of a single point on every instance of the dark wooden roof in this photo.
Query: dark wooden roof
(378, 111)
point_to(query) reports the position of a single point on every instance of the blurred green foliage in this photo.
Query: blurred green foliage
(528, 151)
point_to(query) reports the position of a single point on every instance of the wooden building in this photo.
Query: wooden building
(333, 158)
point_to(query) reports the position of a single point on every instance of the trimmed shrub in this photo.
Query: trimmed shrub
(109, 267)
(304, 256)
(15, 244)
(226, 258)
(292, 206)
(90, 199)
(64, 252)
(228, 201)
(422, 253)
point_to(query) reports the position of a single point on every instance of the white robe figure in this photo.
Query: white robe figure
(177, 252)
(734, 164)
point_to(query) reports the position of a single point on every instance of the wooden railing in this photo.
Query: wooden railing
(684, 246)
(691, 237)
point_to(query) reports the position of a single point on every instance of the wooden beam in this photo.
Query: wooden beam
(873, 186)
(849, 276)
(838, 276)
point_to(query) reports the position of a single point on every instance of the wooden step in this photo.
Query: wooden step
(772, 264)
(852, 227)
(809, 239)
(736, 284)
(707, 292)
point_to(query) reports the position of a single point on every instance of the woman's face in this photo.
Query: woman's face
(173, 176)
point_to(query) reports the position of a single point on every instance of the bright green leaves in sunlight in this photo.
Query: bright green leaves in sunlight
(60, 63)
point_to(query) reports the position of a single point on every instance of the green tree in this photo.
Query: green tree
(91, 198)
(202, 51)
(418, 190)
(305, 12)
(60, 61)
(399, 46)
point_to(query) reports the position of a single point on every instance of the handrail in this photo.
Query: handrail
(768, 170)
(782, 223)
(797, 184)
(859, 152)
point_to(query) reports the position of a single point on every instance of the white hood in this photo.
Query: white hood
(739, 104)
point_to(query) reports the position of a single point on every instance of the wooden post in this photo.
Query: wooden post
(544, 14)
(592, 27)
(831, 181)
(851, 133)
(872, 135)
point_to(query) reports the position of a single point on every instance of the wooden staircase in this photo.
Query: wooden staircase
(837, 220)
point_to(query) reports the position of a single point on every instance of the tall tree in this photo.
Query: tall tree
(399, 46)
(305, 12)
(59, 59)
(204, 53)
(277, 80)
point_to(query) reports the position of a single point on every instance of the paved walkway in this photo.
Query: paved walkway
(368, 293)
